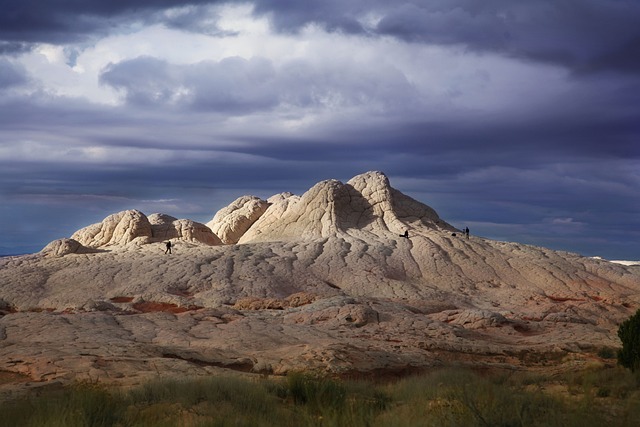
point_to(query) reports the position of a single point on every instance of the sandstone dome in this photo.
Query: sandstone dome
(166, 227)
(117, 229)
(62, 247)
(365, 206)
(231, 222)
(134, 227)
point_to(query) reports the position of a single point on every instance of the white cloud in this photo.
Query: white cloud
(566, 222)
(57, 151)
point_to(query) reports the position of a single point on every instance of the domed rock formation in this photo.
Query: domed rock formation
(158, 220)
(166, 227)
(125, 227)
(62, 247)
(117, 229)
(366, 207)
(231, 222)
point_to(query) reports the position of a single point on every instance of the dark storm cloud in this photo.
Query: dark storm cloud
(13, 48)
(583, 35)
(335, 15)
(62, 21)
(446, 25)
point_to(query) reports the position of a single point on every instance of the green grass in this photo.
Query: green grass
(444, 397)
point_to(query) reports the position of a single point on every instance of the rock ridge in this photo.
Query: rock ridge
(366, 207)
(132, 227)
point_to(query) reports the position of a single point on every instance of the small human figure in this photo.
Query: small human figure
(168, 250)
(466, 232)
(406, 234)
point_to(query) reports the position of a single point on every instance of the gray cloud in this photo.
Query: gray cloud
(11, 75)
(23, 22)
(584, 35)
(236, 85)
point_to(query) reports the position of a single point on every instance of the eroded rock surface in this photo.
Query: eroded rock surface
(117, 229)
(319, 281)
(132, 227)
(231, 222)
(366, 207)
(62, 247)
(165, 227)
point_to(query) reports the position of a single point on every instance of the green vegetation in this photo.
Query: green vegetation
(446, 397)
(629, 334)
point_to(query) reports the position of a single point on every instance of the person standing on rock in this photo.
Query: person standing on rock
(466, 232)
(168, 250)
(406, 234)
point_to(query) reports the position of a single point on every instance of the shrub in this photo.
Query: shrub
(629, 333)
(607, 353)
(316, 392)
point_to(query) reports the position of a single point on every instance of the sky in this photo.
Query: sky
(519, 119)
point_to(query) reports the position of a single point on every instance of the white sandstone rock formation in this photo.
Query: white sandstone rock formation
(118, 229)
(365, 207)
(134, 227)
(320, 281)
(231, 222)
(62, 247)
(165, 227)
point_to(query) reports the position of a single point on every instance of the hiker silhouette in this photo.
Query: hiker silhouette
(168, 250)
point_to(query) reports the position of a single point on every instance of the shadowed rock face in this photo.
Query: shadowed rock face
(165, 227)
(319, 281)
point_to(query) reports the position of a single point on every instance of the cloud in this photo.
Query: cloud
(566, 222)
(235, 85)
(441, 25)
(584, 36)
(59, 21)
(11, 75)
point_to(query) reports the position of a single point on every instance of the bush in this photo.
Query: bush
(82, 404)
(629, 333)
(317, 392)
(607, 353)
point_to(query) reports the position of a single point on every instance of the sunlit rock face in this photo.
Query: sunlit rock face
(117, 229)
(366, 206)
(231, 222)
(323, 281)
(133, 227)
(62, 247)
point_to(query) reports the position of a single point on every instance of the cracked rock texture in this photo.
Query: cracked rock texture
(230, 223)
(321, 281)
